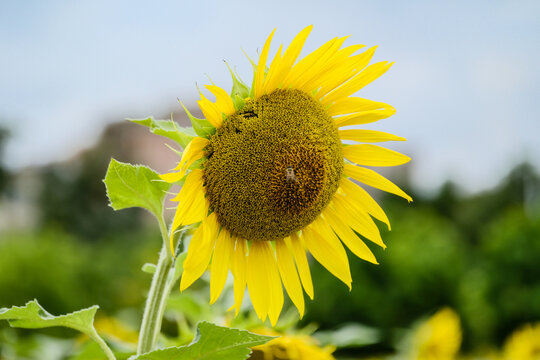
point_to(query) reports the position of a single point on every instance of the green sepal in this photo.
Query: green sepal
(176, 151)
(211, 342)
(252, 90)
(239, 91)
(168, 129)
(177, 270)
(135, 186)
(239, 102)
(202, 127)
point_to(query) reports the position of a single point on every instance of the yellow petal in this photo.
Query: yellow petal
(221, 262)
(257, 279)
(363, 199)
(289, 57)
(373, 155)
(322, 227)
(190, 275)
(296, 247)
(312, 66)
(261, 67)
(306, 63)
(357, 219)
(362, 79)
(289, 275)
(193, 152)
(368, 136)
(204, 247)
(263, 281)
(345, 70)
(239, 272)
(322, 245)
(223, 103)
(364, 117)
(192, 205)
(355, 105)
(270, 82)
(201, 247)
(311, 81)
(371, 178)
(338, 69)
(210, 111)
(353, 242)
(274, 284)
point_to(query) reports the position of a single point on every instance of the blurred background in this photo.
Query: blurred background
(465, 86)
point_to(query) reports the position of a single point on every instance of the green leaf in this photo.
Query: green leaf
(135, 186)
(33, 316)
(211, 342)
(202, 127)
(168, 129)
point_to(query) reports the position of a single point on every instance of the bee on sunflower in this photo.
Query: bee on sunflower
(272, 181)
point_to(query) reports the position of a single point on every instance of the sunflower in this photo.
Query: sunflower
(439, 338)
(290, 347)
(267, 178)
(523, 344)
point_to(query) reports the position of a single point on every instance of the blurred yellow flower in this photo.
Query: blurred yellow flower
(523, 344)
(291, 347)
(439, 338)
(114, 329)
(273, 182)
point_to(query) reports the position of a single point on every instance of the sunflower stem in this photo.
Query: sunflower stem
(157, 298)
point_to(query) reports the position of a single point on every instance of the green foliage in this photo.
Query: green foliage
(33, 316)
(503, 290)
(476, 253)
(168, 129)
(211, 342)
(4, 176)
(66, 274)
(71, 196)
(135, 186)
(349, 335)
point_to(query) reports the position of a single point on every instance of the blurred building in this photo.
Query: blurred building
(71, 195)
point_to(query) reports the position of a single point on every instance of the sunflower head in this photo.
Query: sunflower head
(273, 166)
(439, 338)
(267, 177)
(523, 344)
(291, 347)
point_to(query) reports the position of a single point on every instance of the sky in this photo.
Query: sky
(465, 84)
